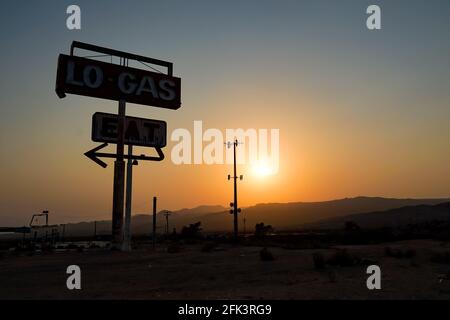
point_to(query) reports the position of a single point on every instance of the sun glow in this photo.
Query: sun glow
(263, 170)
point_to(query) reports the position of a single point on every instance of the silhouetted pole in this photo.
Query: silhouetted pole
(167, 214)
(154, 222)
(234, 204)
(95, 229)
(235, 192)
(119, 175)
(128, 198)
(119, 178)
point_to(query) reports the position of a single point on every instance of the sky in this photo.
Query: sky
(360, 112)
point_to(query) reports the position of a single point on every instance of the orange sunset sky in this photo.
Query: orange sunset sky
(360, 112)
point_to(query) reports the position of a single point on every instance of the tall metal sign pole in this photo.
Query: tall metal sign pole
(234, 204)
(119, 177)
(119, 180)
(94, 78)
(128, 199)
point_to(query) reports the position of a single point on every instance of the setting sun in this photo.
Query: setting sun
(263, 170)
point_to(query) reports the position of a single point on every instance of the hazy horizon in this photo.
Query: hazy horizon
(106, 216)
(359, 112)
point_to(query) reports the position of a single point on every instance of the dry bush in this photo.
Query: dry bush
(209, 247)
(319, 261)
(266, 255)
(262, 230)
(173, 248)
(441, 257)
(332, 276)
(399, 253)
(343, 258)
(193, 231)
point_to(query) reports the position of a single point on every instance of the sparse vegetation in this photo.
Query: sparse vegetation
(262, 230)
(319, 261)
(173, 248)
(303, 274)
(332, 276)
(343, 258)
(399, 253)
(441, 257)
(193, 231)
(209, 247)
(266, 255)
(351, 226)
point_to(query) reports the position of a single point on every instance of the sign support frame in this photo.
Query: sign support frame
(128, 202)
(119, 180)
(117, 239)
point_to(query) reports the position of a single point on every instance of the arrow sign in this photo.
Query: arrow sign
(94, 155)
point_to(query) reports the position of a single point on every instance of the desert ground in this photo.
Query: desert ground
(226, 272)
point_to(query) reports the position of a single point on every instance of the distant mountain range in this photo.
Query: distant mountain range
(367, 211)
(391, 218)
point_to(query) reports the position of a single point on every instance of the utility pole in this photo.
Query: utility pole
(167, 214)
(154, 222)
(234, 204)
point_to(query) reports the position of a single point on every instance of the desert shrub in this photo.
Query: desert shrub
(319, 261)
(209, 246)
(368, 262)
(441, 257)
(192, 231)
(388, 251)
(173, 248)
(262, 230)
(343, 259)
(266, 255)
(332, 276)
(351, 226)
(399, 253)
(410, 253)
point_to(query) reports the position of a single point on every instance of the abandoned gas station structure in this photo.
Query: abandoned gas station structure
(120, 82)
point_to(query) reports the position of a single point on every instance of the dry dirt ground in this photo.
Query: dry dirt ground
(230, 273)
